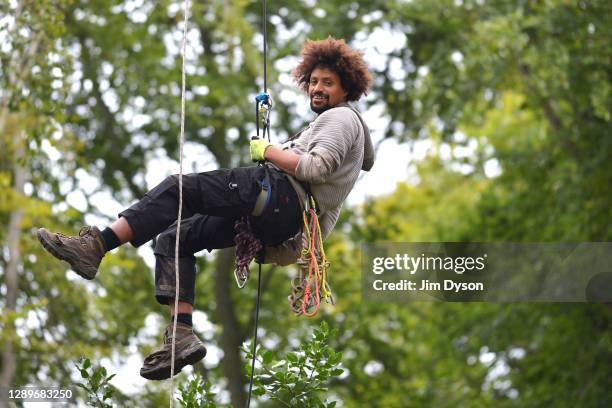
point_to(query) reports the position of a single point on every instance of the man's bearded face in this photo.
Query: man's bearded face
(325, 90)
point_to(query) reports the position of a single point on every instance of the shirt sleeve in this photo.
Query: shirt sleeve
(332, 136)
(328, 220)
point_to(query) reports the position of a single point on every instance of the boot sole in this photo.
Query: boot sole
(52, 249)
(163, 372)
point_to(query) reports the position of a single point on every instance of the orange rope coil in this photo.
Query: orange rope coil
(314, 266)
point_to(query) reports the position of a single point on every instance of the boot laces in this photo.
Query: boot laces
(86, 230)
(60, 238)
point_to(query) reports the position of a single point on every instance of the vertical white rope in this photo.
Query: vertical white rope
(180, 206)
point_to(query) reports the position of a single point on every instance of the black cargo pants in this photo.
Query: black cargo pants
(212, 202)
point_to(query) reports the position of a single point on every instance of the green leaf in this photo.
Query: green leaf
(292, 357)
(334, 358)
(259, 391)
(268, 356)
(265, 379)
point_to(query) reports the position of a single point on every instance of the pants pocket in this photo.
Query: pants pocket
(246, 182)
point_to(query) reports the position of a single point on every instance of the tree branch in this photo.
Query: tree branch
(9, 359)
(231, 338)
(110, 125)
(553, 119)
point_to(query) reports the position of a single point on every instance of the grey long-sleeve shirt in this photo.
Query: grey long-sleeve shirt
(334, 148)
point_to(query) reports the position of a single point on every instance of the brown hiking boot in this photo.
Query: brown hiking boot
(188, 349)
(83, 252)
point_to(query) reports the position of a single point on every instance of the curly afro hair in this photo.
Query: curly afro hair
(339, 57)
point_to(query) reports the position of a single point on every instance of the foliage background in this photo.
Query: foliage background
(511, 98)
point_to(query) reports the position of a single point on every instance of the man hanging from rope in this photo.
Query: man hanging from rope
(323, 160)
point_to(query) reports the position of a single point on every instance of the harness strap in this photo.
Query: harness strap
(263, 199)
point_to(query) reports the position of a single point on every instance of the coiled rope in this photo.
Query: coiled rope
(307, 288)
(247, 248)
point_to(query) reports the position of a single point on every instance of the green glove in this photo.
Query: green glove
(258, 148)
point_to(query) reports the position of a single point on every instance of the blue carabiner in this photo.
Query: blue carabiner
(263, 97)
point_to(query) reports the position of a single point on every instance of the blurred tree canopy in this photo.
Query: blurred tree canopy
(512, 98)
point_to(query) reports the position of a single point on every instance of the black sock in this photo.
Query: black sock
(184, 318)
(110, 239)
